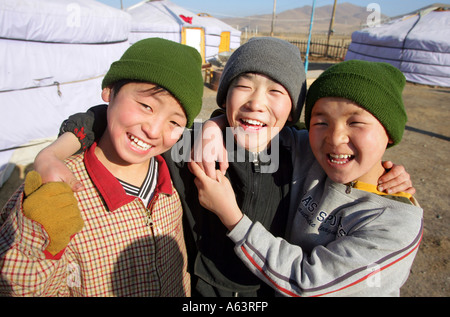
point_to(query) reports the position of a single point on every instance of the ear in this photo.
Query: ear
(390, 141)
(106, 94)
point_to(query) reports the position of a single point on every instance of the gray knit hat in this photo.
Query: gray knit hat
(278, 59)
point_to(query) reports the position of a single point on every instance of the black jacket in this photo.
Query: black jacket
(215, 268)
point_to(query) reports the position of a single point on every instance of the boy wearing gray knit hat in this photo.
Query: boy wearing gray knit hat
(255, 113)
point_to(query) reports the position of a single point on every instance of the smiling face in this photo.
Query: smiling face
(347, 141)
(142, 123)
(257, 108)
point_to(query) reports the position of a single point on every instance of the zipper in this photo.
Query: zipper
(255, 163)
(254, 182)
(350, 185)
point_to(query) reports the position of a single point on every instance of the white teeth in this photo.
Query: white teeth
(253, 122)
(334, 157)
(340, 156)
(139, 143)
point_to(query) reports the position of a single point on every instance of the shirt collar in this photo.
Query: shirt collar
(109, 187)
(373, 189)
(164, 184)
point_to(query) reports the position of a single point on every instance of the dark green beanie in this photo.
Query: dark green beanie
(376, 87)
(173, 66)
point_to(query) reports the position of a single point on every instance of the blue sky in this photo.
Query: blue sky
(241, 8)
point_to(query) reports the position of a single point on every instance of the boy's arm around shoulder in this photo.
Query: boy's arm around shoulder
(79, 131)
(49, 162)
(86, 126)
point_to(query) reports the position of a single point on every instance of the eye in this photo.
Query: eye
(318, 122)
(176, 124)
(356, 122)
(359, 119)
(242, 86)
(146, 107)
(277, 91)
(178, 121)
(241, 83)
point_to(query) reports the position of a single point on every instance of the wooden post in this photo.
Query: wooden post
(330, 30)
(273, 17)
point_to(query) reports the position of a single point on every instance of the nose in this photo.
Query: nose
(153, 129)
(337, 135)
(257, 101)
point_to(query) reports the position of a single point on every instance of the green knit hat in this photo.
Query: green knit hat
(173, 66)
(376, 87)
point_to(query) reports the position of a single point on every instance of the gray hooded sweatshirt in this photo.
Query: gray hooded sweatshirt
(340, 241)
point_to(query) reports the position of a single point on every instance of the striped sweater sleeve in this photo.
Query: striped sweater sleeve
(367, 262)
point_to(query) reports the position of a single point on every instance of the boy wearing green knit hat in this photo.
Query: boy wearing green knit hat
(344, 237)
(122, 235)
(365, 99)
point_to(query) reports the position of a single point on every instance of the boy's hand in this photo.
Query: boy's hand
(49, 161)
(54, 206)
(395, 180)
(217, 195)
(210, 148)
(52, 169)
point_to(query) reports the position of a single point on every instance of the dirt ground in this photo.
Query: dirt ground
(424, 152)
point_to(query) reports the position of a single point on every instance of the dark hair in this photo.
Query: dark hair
(120, 83)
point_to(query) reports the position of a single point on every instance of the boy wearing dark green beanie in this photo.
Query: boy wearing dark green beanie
(122, 235)
(343, 237)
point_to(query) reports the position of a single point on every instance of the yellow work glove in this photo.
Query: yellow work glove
(54, 206)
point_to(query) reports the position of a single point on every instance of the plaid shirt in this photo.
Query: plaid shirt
(124, 248)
